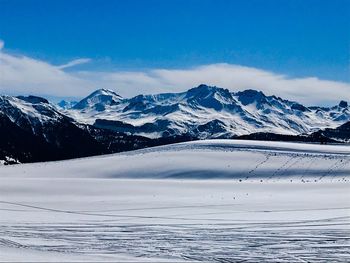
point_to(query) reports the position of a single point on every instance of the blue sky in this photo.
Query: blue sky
(295, 38)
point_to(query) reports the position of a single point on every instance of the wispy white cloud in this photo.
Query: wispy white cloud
(75, 62)
(24, 75)
(2, 44)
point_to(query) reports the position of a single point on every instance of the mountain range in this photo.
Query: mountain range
(33, 129)
(205, 112)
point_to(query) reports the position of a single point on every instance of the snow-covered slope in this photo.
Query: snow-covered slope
(205, 112)
(279, 202)
(30, 112)
(32, 129)
(233, 159)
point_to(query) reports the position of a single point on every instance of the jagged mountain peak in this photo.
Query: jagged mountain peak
(31, 105)
(211, 97)
(106, 92)
(250, 96)
(204, 90)
(251, 93)
(33, 99)
(203, 87)
(343, 104)
(98, 100)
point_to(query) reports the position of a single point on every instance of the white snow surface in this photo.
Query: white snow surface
(214, 200)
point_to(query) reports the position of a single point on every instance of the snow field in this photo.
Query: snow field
(224, 201)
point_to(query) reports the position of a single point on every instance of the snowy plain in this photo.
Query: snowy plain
(213, 200)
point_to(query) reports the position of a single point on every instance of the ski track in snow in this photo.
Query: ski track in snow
(287, 203)
(226, 243)
(322, 240)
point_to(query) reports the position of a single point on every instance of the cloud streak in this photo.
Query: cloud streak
(74, 63)
(25, 75)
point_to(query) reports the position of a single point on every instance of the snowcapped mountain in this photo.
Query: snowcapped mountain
(64, 104)
(205, 112)
(98, 100)
(36, 130)
(31, 113)
(32, 129)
